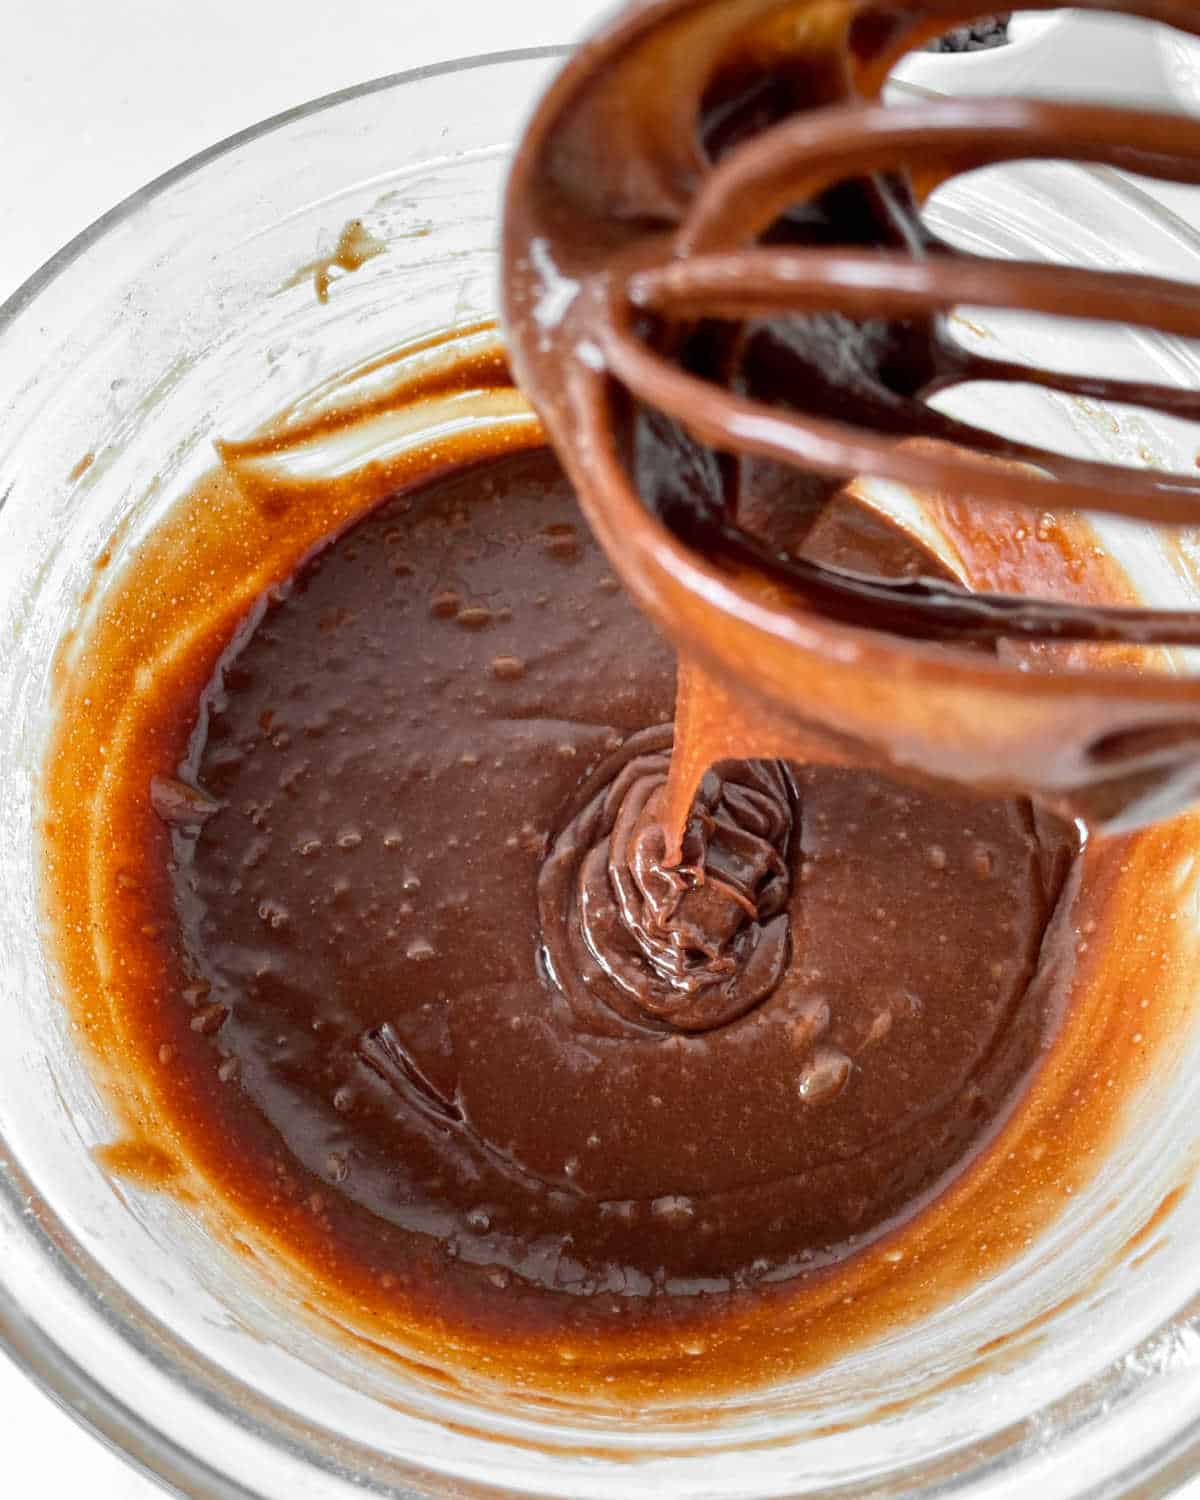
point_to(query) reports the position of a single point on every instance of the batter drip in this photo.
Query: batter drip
(690, 945)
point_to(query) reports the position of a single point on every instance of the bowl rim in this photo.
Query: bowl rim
(67, 254)
(130, 1434)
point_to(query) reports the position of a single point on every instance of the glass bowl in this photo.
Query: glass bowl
(178, 318)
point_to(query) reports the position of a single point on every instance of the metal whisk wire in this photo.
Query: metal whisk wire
(711, 268)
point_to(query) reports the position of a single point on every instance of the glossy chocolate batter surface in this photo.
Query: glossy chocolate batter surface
(517, 1049)
(430, 939)
(355, 862)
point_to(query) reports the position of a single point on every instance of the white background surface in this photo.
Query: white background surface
(96, 98)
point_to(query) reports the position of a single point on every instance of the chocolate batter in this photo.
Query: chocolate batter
(423, 909)
(457, 985)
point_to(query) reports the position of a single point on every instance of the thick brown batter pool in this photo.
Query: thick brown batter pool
(356, 858)
(544, 1055)
(401, 870)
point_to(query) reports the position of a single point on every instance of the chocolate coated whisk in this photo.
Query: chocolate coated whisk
(711, 267)
(718, 269)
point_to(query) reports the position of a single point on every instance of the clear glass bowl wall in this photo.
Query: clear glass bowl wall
(176, 320)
